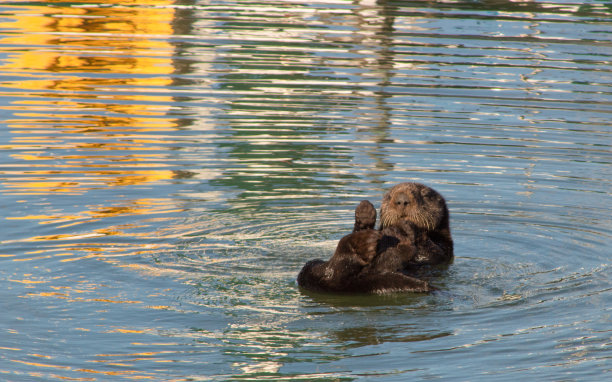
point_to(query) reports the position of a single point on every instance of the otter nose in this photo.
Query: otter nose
(402, 200)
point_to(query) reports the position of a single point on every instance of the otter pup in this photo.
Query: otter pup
(354, 266)
(412, 213)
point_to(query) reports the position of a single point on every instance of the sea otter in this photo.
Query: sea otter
(417, 214)
(357, 265)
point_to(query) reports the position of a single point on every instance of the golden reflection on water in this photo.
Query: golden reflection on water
(88, 110)
(69, 150)
(149, 207)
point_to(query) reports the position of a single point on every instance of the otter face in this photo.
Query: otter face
(415, 204)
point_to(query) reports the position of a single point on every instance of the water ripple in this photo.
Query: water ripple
(166, 168)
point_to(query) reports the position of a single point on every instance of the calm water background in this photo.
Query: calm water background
(166, 168)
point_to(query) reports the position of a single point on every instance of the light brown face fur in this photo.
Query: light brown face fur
(414, 203)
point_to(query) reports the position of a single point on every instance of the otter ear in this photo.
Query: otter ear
(387, 196)
(428, 192)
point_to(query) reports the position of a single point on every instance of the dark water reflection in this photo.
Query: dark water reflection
(168, 166)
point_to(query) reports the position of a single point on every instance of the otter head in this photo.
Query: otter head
(415, 204)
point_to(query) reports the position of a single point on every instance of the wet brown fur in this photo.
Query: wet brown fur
(357, 267)
(414, 231)
(365, 216)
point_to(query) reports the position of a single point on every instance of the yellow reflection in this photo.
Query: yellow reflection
(42, 364)
(144, 206)
(128, 331)
(26, 281)
(6, 348)
(92, 81)
(66, 296)
(84, 181)
(116, 373)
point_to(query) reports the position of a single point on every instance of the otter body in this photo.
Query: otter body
(353, 268)
(414, 231)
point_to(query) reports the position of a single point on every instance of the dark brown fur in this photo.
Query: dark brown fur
(365, 216)
(357, 266)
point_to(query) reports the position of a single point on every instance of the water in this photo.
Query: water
(167, 167)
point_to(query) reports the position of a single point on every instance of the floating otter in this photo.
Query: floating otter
(417, 214)
(358, 265)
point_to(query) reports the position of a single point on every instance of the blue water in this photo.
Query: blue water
(167, 167)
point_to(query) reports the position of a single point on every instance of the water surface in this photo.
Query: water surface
(166, 168)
